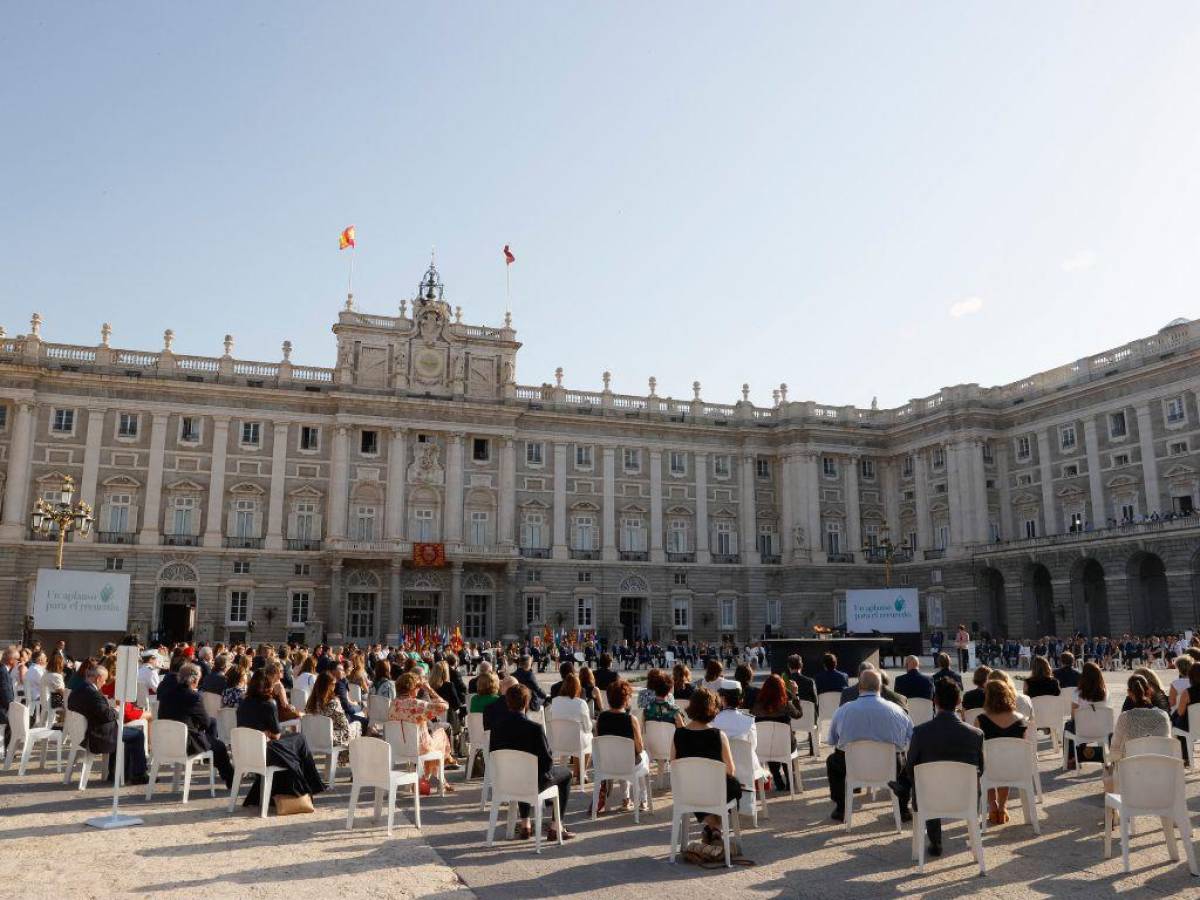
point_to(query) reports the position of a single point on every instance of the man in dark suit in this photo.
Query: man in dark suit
(1067, 675)
(564, 669)
(605, 674)
(944, 738)
(102, 725)
(525, 677)
(516, 732)
(215, 682)
(944, 671)
(914, 683)
(341, 690)
(8, 690)
(829, 679)
(805, 687)
(183, 704)
(851, 693)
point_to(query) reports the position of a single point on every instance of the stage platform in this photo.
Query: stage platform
(850, 652)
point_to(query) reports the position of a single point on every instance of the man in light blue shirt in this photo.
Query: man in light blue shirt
(869, 718)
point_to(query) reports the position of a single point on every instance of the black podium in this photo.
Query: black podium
(850, 652)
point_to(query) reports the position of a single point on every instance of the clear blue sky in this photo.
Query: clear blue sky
(714, 191)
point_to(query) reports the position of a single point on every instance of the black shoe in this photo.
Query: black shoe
(905, 815)
(838, 814)
(934, 849)
(137, 779)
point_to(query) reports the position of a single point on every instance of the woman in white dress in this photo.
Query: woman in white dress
(568, 705)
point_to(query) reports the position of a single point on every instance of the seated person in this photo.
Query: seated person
(773, 705)
(488, 692)
(102, 727)
(1041, 681)
(568, 706)
(418, 704)
(288, 751)
(699, 739)
(662, 707)
(973, 699)
(999, 719)
(617, 721)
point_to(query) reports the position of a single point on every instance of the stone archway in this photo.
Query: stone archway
(994, 603)
(1089, 597)
(1149, 597)
(1039, 598)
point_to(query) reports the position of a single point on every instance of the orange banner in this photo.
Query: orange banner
(429, 555)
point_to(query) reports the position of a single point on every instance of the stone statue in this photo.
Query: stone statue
(509, 376)
(430, 326)
(874, 403)
(798, 538)
(345, 355)
(459, 365)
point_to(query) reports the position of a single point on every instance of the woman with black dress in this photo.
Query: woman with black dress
(999, 719)
(617, 721)
(1041, 681)
(698, 739)
(288, 751)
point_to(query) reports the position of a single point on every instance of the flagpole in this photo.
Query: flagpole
(350, 277)
(507, 288)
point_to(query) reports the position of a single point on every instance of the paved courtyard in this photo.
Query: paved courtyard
(798, 852)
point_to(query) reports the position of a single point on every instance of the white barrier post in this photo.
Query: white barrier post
(124, 691)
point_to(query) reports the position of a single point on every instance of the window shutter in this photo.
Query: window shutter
(291, 524)
(133, 518)
(230, 518)
(258, 523)
(105, 516)
(316, 527)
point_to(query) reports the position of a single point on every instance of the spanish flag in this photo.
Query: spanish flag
(509, 259)
(346, 238)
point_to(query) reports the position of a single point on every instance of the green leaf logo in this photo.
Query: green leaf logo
(106, 593)
(899, 604)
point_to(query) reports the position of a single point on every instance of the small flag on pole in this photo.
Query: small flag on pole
(346, 238)
(509, 259)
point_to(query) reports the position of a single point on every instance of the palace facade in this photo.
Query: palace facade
(268, 500)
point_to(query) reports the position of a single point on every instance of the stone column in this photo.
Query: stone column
(787, 513)
(339, 485)
(397, 463)
(1001, 452)
(507, 501)
(1149, 462)
(979, 493)
(656, 508)
(1049, 513)
(279, 448)
(213, 519)
(1095, 476)
(91, 465)
(854, 538)
(337, 604)
(559, 550)
(513, 622)
(955, 495)
(16, 485)
(454, 490)
(747, 511)
(921, 488)
(810, 465)
(454, 615)
(890, 486)
(154, 480)
(394, 604)
(608, 515)
(703, 545)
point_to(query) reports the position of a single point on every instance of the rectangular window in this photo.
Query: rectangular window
(994, 531)
(310, 437)
(584, 577)
(1023, 447)
(633, 535)
(721, 466)
(475, 616)
(1175, 411)
(183, 516)
(681, 579)
(533, 609)
(941, 537)
(1177, 448)
(1120, 459)
(1025, 480)
(239, 607)
(301, 603)
(871, 534)
(988, 455)
(1066, 437)
(1076, 523)
(533, 576)
(766, 540)
(906, 467)
(114, 564)
(910, 495)
(833, 537)
(678, 462)
(360, 609)
(728, 613)
(424, 519)
(479, 528)
(774, 612)
(940, 487)
(829, 466)
(1070, 471)
(867, 469)
(243, 518)
(302, 569)
(3, 417)
(251, 434)
(939, 457)
(368, 443)
(481, 449)
(127, 425)
(681, 613)
(118, 512)
(189, 429)
(1128, 513)
(1031, 528)
(912, 541)
(531, 530)
(1117, 427)
(241, 567)
(583, 456)
(583, 612)
(632, 460)
(63, 421)
(306, 520)
(585, 527)
(725, 542)
(533, 453)
(677, 536)
(762, 467)
(364, 523)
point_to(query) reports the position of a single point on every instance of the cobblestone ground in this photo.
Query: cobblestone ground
(798, 851)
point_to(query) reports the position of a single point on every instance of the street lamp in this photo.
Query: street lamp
(883, 548)
(63, 513)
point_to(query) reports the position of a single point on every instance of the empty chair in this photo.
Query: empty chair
(1007, 763)
(871, 764)
(405, 741)
(971, 715)
(752, 777)
(946, 790)
(698, 786)
(1149, 785)
(827, 704)
(212, 703)
(613, 760)
(299, 697)
(920, 710)
(514, 779)
(377, 711)
(1190, 735)
(568, 739)
(775, 746)
(1048, 716)
(26, 738)
(169, 743)
(537, 715)
(75, 727)
(371, 767)
(226, 722)
(1160, 746)
(807, 725)
(658, 738)
(1093, 725)
(318, 732)
(250, 758)
(477, 742)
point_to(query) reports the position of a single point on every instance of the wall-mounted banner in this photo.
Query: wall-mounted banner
(887, 610)
(66, 600)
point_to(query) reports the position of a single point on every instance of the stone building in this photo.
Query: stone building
(270, 499)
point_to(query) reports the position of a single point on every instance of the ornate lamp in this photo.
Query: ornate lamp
(65, 515)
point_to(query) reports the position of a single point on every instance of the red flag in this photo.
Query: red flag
(346, 238)
(509, 259)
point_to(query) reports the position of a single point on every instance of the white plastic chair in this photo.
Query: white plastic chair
(920, 710)
(775, 746)
(318, 732)
(971, 715)
(827, 704)
(477, 743)
(355, 694)
(698, 786)
(568, 739)
(75, 727)
(1158, 746)
(299, 697)
(613, 760)
(659, 737)
(538, 715)
(212, 703)
(871, 764)
(250, 758)
(946, 790)
(1093, 725)
(1048, 716)
(371, 767)
(1150, 785)
(226, 722)
(27, 738)
(752, 776)
(807, 725)
(515, 780)
(405, 741)
(1191, 734)
(1007, 763)
(378, 709)
(169, 743)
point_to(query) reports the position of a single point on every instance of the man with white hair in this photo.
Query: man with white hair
(102, 724)
(473, 684)
(8, 688)
(852, 692)
(914, 683)
(868, 718)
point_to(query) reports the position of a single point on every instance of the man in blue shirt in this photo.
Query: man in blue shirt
(869, 718)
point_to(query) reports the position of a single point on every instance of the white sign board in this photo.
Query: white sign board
(67, 600)
(125, 678)
(887, 610)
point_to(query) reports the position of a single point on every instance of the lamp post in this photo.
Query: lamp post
(66, 514)
(885, 548)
